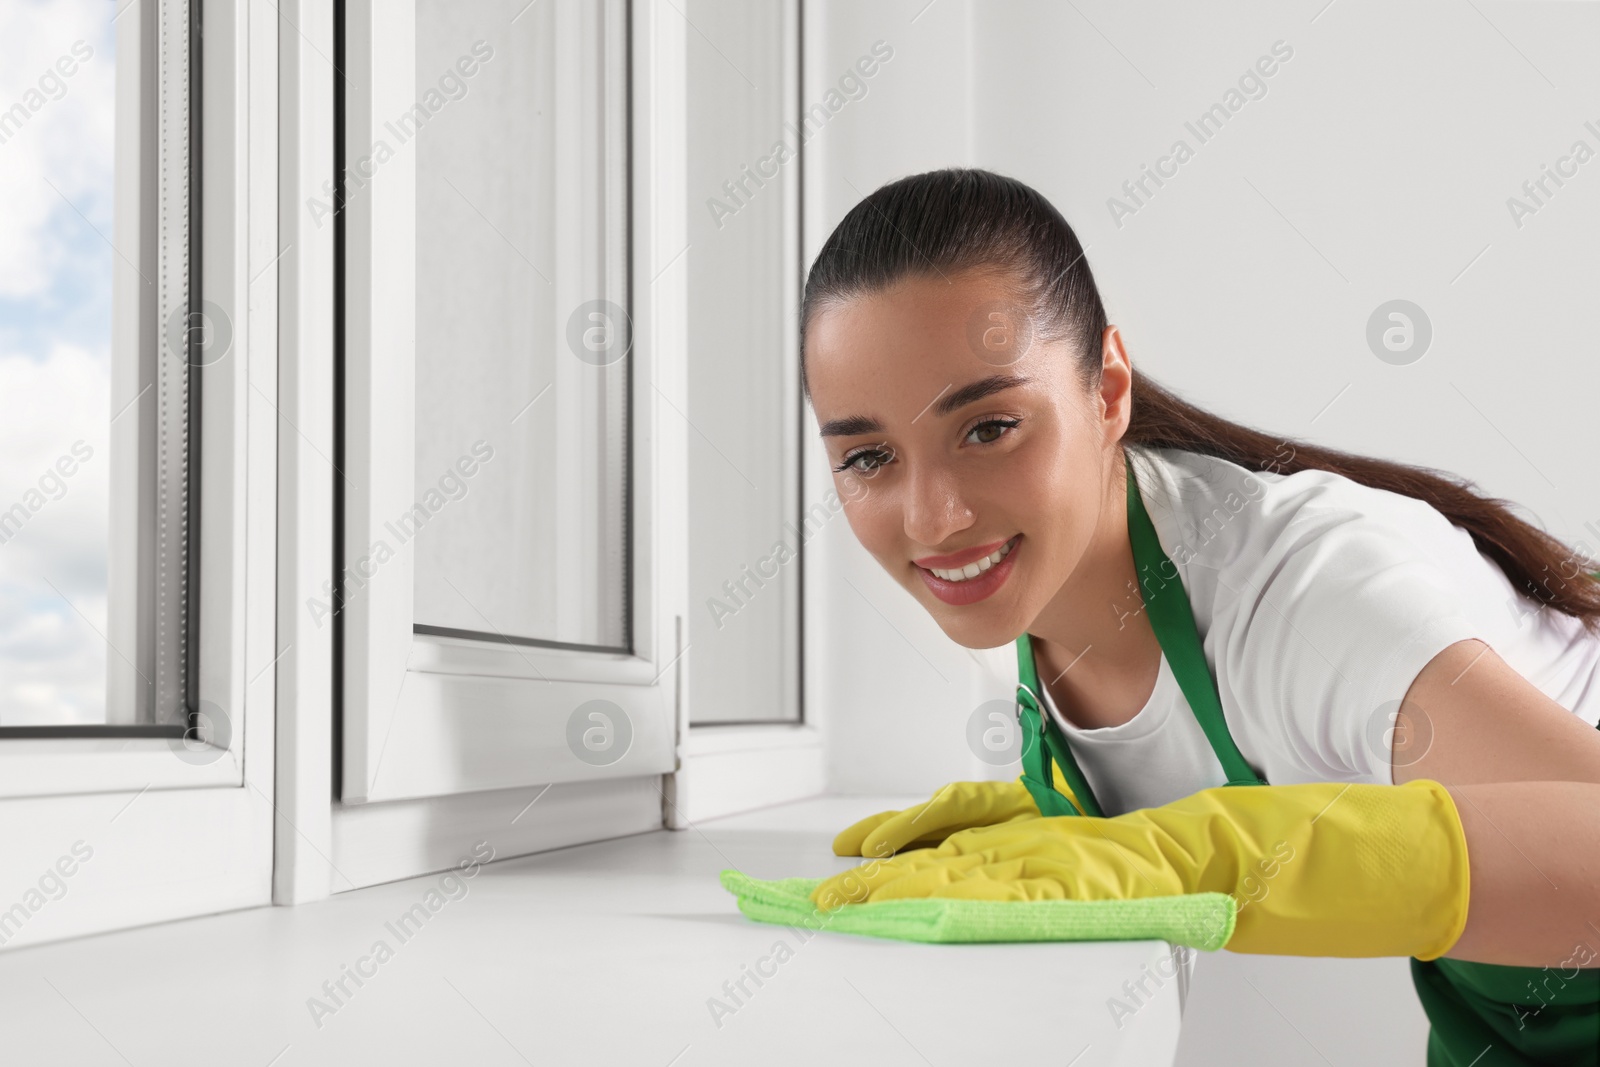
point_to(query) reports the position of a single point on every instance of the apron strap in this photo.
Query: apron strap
(1173, 621)
(1037, 744)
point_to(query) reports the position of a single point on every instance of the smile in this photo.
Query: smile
(974, 581)
(972, 570)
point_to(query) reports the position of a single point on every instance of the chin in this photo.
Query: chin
(973, 632)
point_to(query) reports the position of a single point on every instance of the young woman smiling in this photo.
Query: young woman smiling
(1197, 608)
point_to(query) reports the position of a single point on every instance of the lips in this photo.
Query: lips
(960, 559)
(976, 588)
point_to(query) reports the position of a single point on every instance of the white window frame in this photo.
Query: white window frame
(426, 715)
(740, 767)
(266, 828)
(173, 837)
(357, 841)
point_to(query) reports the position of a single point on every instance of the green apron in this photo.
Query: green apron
(1482, 1015)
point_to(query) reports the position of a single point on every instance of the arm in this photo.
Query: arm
(1525, 775)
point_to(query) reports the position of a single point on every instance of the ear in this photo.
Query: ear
(1116, 385)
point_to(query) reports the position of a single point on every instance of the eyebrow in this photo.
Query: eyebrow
(946, 404)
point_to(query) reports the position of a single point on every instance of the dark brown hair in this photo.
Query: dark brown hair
(958, 219)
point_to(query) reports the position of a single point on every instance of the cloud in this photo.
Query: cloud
(55, 320)
(66, 143)
(45, 643)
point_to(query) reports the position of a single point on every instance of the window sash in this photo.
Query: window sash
(425, 714)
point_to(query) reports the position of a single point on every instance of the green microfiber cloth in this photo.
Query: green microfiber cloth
(1199, 920)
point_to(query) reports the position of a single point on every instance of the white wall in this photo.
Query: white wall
(896, 693)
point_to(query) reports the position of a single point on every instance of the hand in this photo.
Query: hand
(957, 806)
(1319, 869)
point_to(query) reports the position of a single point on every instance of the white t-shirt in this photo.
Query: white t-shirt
(1318, 600)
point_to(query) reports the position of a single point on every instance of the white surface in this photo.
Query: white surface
(1291, 1011)
(371, 844)
(728, 769)
(68, 766)
(601, 953)
(303, 282)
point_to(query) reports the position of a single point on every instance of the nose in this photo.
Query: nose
(934, 505)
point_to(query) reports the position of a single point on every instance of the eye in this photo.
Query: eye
(879, 457)
(1002, 424)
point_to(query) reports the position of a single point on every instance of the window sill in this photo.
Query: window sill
(642, 917)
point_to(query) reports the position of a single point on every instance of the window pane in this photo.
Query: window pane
(521, 356)
(743, 541)
(56, 265)
(95, 416)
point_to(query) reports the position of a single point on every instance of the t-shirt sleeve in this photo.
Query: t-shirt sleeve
(1336, 622)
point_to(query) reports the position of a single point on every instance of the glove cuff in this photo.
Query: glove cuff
(1455, 877)
(1326, 868)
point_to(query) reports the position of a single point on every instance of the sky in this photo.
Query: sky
(55, 331)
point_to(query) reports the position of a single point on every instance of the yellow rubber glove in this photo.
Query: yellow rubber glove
(957, 806)
(1318, 869)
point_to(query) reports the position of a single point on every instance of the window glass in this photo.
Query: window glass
(57, 262)
(522, 352)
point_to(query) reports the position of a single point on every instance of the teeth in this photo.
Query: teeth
(972, 570)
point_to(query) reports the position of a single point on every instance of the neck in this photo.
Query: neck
(1093, 644)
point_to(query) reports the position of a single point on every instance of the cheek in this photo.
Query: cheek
(872, 518)
(1051, 494)
(853, 489)
(878, 520)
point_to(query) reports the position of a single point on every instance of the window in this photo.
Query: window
(744, 400)
(94, 576)
(504, 591)
(134, 498)
(344, 352)
(752, 741)
(522, 337)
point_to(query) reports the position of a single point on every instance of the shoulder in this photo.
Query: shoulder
(1315, 556)
(1319, 600)
(1222, 515)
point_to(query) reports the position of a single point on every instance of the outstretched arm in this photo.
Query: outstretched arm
(1534, 852)
(1524, 773)
(1480, 852)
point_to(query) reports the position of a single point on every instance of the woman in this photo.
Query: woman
(1404, 673)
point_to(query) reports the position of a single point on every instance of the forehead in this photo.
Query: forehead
(924, 330)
